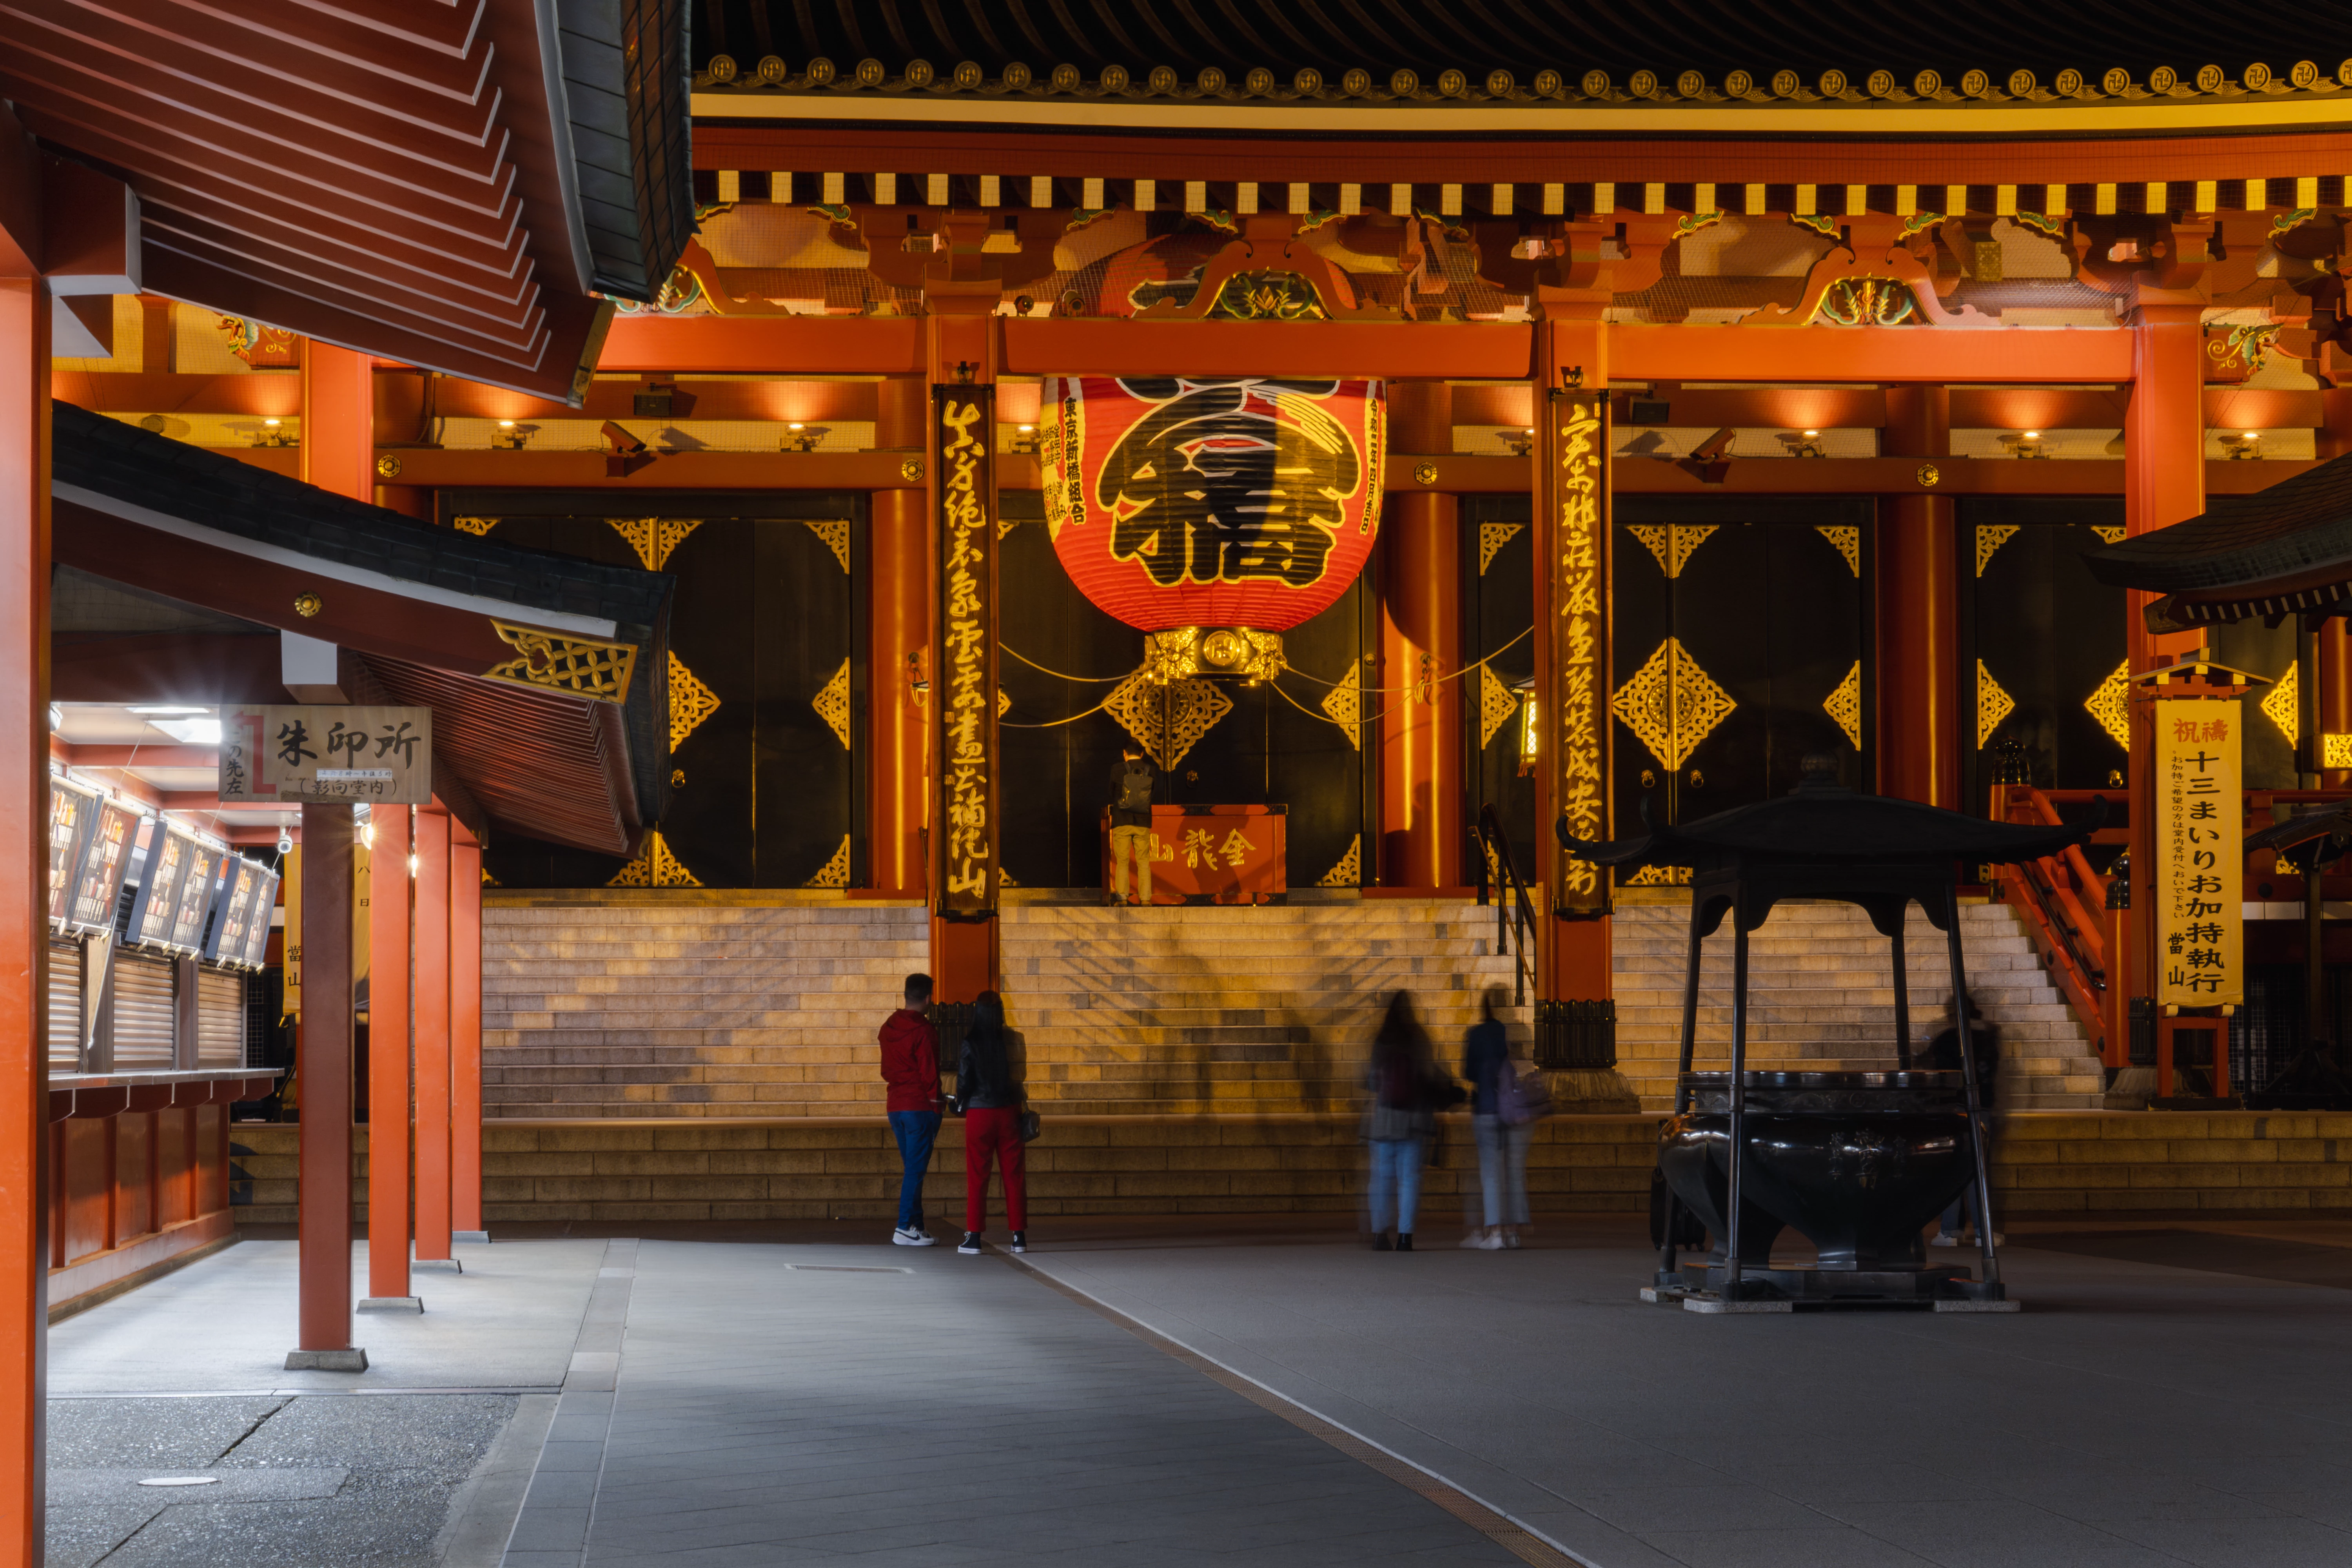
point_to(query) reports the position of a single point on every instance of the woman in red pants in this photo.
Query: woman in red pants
(989, 1088)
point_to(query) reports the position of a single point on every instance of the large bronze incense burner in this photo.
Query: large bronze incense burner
(1856, 1162)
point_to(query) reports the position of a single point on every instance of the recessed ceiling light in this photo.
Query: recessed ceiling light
(2253, 435)
(269, 422)
(796, 425)
(1810, 434)
(2034, 434)
(506, 423)
(166, 710)
(191, 731)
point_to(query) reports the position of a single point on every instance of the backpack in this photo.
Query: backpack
(1135, 790)
(1521, 1099)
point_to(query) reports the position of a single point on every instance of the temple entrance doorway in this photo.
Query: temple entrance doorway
(1742, 643)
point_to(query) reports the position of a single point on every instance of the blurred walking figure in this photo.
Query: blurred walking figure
(1944, 1056)
(1133, 783)
(989, 1088)
(1408, 1090)
(1504, 1107)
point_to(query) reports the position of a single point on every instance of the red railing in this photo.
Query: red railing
(2065, 902)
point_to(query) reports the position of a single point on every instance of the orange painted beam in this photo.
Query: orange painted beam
(387, 1085)
(1873, 355)
(167, 754)
(766, 345)
(679, 470)
(465, 1034)
(432, 1079)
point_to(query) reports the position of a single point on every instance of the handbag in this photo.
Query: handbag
(1031, 1125)
(1520, 1098)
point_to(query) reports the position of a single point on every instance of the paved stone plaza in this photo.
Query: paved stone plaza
(1259, 1392)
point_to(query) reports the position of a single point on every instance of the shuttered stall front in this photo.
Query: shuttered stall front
(143, 998)
(65, 1007)
(220, 1019)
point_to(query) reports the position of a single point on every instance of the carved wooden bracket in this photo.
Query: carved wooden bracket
(1270, 246)
(1843, 280)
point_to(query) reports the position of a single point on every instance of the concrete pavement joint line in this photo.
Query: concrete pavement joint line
(544, 1527)
(1515, 1536)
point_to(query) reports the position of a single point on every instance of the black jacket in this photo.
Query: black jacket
(1130, 818)
(988, 1071)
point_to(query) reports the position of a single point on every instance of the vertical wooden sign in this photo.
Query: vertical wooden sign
(965, 684)
(1572, 669)
(2201, 933)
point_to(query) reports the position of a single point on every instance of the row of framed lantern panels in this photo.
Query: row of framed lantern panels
(116, 1009)
(189, 894)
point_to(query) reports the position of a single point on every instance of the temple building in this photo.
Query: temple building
(791, 454)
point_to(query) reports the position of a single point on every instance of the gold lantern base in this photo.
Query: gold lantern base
(1185, 653)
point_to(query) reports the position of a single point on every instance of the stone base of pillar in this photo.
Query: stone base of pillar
(390, 1304)
(1591, 1091)
(2131, 1089)
(351, 1360)
(481, 1236)
(437, 1266)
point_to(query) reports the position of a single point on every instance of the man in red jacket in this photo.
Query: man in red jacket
(910, 1065)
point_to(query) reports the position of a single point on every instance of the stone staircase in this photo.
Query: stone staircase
(1200, 1009)
(1820, 996)
(598, 1006)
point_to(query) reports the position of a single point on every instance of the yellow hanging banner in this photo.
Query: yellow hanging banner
(292, 883)
(2200, 931)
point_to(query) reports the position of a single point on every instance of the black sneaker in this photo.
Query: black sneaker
(971, 1242)
(1019, 1241)
(1380, 1241)
(1405, 1242)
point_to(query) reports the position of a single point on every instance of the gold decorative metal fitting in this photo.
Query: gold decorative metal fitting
(1188, 651)
(1425, 473)
(387, 466)
(1930, 475)
(583, 666)
(912, 468)
(307, 605)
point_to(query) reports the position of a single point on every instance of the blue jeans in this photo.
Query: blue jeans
(1396, 1183)
(914, 1129)
(1503, 1169)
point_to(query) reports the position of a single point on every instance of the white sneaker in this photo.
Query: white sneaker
(1943, 1238)
(1475, 1240)
(1491, 1242)
(911, 1238)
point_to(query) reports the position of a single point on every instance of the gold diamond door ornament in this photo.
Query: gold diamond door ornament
(653, 537)
(1993, 705)
(654, 866)
(2282, 707)
(2111, 533)
(1990, 536)
(1846, 540)
(1344, 706)
(1193, 707)
(1671, 543)
(1496, 704)
(835, 531)
(1491, 537)
(832, 704)
(1845, 705)
(833, 873)
(2111, 704)
(690, 701)
(1670, 704)
(1349, 872)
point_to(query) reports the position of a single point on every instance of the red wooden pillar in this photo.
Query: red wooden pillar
(433, 1076)
(2334, 693)
(23, 933)
(1420, 578)
(388, 1081)
(464, 1036)
(324, 1216)
(2164, 482)
(1920, 699)
(338, 451)
(897, 644)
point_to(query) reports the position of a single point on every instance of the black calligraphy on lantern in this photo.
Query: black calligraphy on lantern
(967, 712)
(1230, 481)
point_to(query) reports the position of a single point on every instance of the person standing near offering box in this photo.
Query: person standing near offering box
(1132, 784)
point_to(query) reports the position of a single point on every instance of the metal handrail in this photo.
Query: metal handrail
(1494, 851)
(2051, 890)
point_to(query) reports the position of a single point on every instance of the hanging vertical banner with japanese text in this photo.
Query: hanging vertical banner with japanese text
(964, 679)
(2200, 855)
(1575, 733)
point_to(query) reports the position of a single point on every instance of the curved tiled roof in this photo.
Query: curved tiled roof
(1525, 50)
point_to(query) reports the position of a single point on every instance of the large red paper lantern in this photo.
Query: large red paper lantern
(1213, 513)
